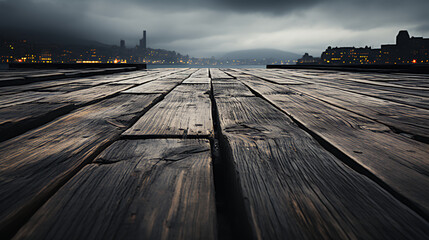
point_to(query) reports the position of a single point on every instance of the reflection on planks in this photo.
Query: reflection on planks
(303, 154)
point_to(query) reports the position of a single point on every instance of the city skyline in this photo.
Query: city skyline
(211, 28)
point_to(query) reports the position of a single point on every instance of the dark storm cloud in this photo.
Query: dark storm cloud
(205, 27)
(264, 6)
(23, 16)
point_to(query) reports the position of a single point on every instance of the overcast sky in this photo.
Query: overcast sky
(211, 27)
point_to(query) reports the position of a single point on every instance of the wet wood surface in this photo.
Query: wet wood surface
(214, 154)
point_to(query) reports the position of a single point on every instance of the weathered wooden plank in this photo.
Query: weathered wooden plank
(26, 72)
(267, 88)
(195, 80)
(329, 81)
(35, 76)
(385, 84)
(416, 101)
(365, 84)
(92, 81)
(17, 119)
(371, 144)
(148, 77)
(87, 95)
(51, 75)
(216, 73)
(193, 89)
(34, 86)
(291, 188)
(24, 97)
(273, 77)
(34, 164)
(236, 73)
(161, 85)
(66, 87)
(401, 79)
(201, 73)
(421, 99)
(233, 89)
(184, 112)
(139, 189)
(156, 86)
(402, 117)
(11, 80)
(412, 83)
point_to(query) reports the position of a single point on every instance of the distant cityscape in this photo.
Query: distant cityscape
(27, 51)
(407, 50)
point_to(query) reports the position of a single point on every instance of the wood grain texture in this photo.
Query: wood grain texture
(87, 95)
(401, 117)
(395, 96)
(35, 163)
(194, 80)
(183, 112)
(201, 73)
(149, 77)
(24, 97)
(216, 73)
(405, 118)
(136, 189)
(358, 80)
(292, 188)
(157, 86)
(272, 76)
(232, 89)
(366, 142)
(56, 85)
(193, 89)
(387, 85)
(340, 80)
(66, 87)
(23, 117)
(161, 85)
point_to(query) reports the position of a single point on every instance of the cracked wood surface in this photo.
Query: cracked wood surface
(36, 162)
(293, 188)
(365, 141)
(135, 189)
(284, 183)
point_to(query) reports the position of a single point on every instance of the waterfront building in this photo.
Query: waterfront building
(407, 50)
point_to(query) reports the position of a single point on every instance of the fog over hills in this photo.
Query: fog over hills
(261, 54)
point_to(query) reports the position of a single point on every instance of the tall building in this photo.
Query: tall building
(122, 43)
(143, 41)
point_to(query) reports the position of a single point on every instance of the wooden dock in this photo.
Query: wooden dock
(214, 154)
